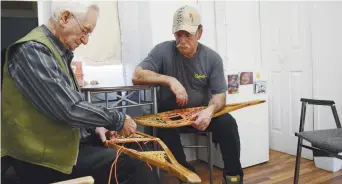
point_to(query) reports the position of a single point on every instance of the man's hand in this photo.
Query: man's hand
(180, 92)
(142, 76)
(129, 127)
(105, 134)
(203, 118)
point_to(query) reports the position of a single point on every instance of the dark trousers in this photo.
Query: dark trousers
(225, 133)
(93, 160)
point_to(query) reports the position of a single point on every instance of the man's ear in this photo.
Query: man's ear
(199, 33)
(64, 18)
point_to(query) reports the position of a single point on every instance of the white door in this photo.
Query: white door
(286, 53)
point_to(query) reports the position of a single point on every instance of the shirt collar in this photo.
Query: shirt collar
(63, 51)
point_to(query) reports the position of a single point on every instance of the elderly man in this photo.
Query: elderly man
(44, 114)
(190, 75)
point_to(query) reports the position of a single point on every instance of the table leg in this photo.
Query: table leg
(155, 107)
(88, 96)
(155, 111)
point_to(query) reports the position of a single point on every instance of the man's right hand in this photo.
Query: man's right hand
(129, 127)
(180, 92)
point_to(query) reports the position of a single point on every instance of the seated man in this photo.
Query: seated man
(44, 114)
(191, 74)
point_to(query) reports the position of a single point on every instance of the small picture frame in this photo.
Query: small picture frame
(260, 87)
(246, 78)
(233, 84)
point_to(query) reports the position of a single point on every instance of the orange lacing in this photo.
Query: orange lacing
(114, 164)
(143, 150)
(115, 161)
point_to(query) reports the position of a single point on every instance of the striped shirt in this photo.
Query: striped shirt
(42, 81)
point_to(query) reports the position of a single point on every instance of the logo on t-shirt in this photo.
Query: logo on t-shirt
(200, 76)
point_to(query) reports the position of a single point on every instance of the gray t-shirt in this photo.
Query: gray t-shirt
(202, 75)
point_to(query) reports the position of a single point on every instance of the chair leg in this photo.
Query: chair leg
(298, 159)
(196, 142)
(210, 157)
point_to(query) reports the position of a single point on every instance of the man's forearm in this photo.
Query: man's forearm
(142, 76)
(217, 102)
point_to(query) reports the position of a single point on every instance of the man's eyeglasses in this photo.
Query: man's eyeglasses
(84, 31)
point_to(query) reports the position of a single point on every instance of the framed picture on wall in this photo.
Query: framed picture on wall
(246, 78)
(233, 84)
(260, 87)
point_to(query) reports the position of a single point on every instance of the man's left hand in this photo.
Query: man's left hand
(203, 118)
(103, 133)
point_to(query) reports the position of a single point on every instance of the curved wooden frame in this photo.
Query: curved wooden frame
(170, 163)
(164, 119)
(80, 180)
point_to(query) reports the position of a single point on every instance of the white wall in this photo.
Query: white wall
(161, 17)
(326, 56)
(44, 11)
(243, 36)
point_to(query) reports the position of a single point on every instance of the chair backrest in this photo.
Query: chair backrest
(330, 103)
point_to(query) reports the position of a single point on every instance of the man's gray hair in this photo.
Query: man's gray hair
(78, 8)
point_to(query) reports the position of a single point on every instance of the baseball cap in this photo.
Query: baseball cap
(186, 18)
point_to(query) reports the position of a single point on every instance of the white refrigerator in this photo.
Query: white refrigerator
(252, 121)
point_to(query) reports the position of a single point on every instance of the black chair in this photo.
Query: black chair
(208, 146)
(325, 142)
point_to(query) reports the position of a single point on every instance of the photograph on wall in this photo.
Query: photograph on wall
(246, 78)
(257, 76)
(260, 87)
(233, 84)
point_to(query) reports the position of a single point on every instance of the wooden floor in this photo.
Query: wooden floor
(279, 169)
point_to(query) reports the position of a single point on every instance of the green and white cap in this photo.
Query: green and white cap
(186, 18)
